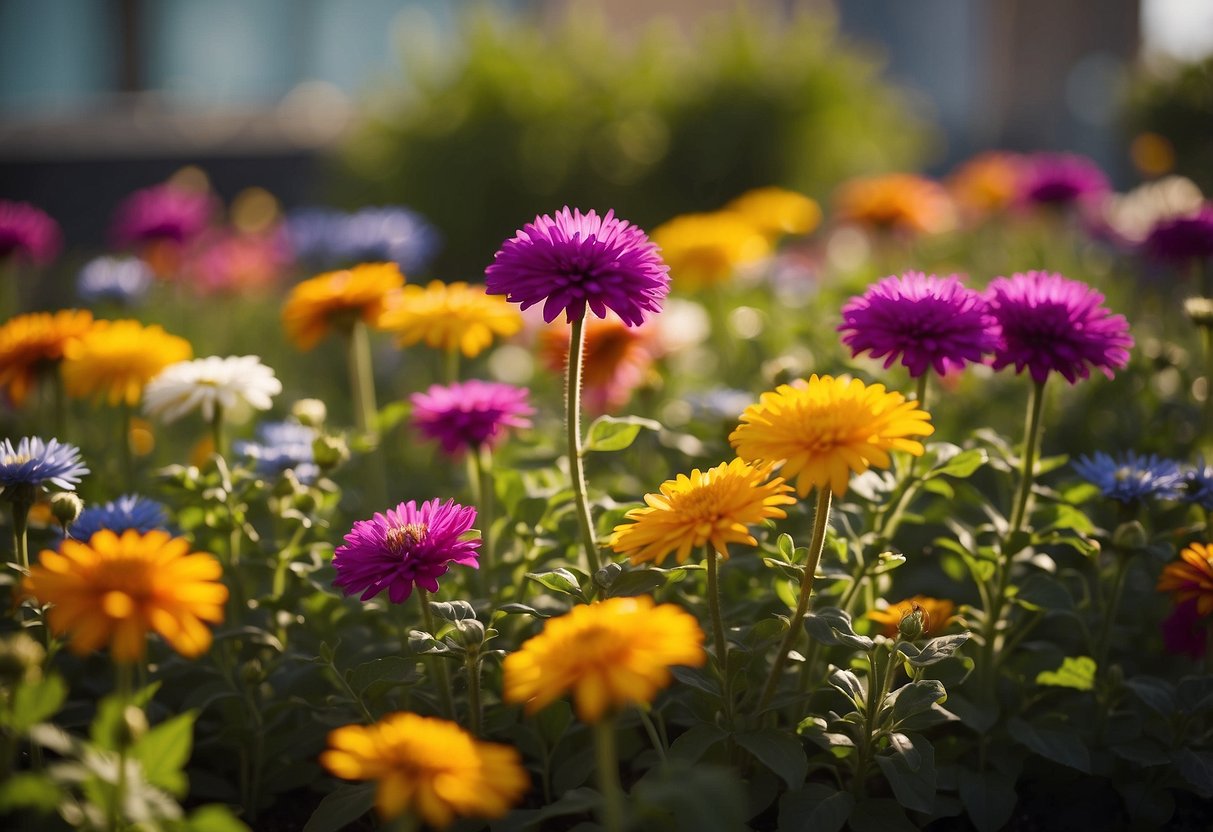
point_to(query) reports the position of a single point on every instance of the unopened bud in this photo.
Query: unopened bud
(1130, 536)
(310, 412)
(66, 507)
(471, 632)
(330, 452)
(1199, 311)
(914, 624)
(132, 726)
(20, 660)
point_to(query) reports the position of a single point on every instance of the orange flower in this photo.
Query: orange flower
(35, 343)
(897, 201)
(936, 614)
(1191, 578)
(987, 183)
(618, 359)
(337, 299)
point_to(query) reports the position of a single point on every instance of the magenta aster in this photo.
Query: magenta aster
(1063, 179)
(1181, 239)
(162, 212)
(405, 547)
(470, 414)
(575, 260)
(1052, 324)
(922, 320)
(28, 233)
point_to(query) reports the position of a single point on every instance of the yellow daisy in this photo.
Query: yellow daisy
(825, 429)
(714, 506)
(609, 654)
(450, 316)
(112, 590)
(337, 299)
(116, 359)
(31, 344)
(936, 614)
(429, 767)
(777, 211)
(706, 249)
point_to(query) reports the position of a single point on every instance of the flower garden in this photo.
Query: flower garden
(888, 513)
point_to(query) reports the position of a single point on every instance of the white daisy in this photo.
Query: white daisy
(234, 384)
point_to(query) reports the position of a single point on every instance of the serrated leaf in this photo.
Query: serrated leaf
(614, 433)
(779, 751)
(341, 807)
(1077, 672)
(164, 750)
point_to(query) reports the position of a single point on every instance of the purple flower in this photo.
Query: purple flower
(1198, 485)
(1129, 477)
(1050, 323)
(32, 462)
(405, 547)
(127, 512)
(1181, 239)
(162, 212)
(29, 233)
(576, 260)
(281, 446)
(923, 320)
(1062, 179)
(1184, 631)
(468, 415)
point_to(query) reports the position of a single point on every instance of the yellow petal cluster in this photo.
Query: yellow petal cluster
(777, 211)
(936, 614)
(707, 249)
(113, 590)
(608, 655)
(337, 299)
(429, 767)
(116, 359)
(715, 506)
(450, 316)
(30, 344)
(827, 428)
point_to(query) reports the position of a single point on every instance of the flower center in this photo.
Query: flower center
(15, 459)
(400, 539)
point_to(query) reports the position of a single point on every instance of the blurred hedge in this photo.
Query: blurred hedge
(1178, 105)
(525, 119)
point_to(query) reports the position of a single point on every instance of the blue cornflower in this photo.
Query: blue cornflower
(391, 233)
(1129, 477)
(1198, 485)
(282, 445)
(33, 462)
(127, 512)
(123, 280)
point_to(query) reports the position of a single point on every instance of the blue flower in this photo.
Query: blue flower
(127, 512)
(123, 280)
(282, 445)
(34, 462)
(1198, 485)
(1129, 477)
(334, 238)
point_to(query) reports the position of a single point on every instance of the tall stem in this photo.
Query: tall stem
(821, 522)
(922, 390)
(124, 676)
(480, 480)
(124, 448)
(437, 666)
(718, 634)
(608, 775)
(362, 378)
(450, 365)
(21, 509)
(474, 707)
(1031, 444)
(576, 462)
(217, 438)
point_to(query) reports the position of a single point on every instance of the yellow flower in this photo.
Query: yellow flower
(776, 211)
(899, 201)
(826, 428)
(609, 654)
(113, 590)
(713, 506)
(30, 344)
(936, 614)
(428, 766)
(337, 299)
(705, 249)
(450, 316)
(117, 358)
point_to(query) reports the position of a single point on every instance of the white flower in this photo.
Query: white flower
(233, 384)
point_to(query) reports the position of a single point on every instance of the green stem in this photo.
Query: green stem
(217, 438)
(1031, 446)
(474, 706)
(451, 365)
(118, 800)
(654, 736)
(821, 522)
(442, 677)
(608, 775)
(480, 478)
(21, 509)
(921, 394)
(1207, 331)
(718, 633)
(362, 379)
(576, 461)
(124, 448)
(1104, 642)
(878, 688)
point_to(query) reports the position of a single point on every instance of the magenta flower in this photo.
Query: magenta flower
(1062, 179)
(28, 233)
(405, 547)
(162, 212)
(922, 320)
(471, 414)
(576, 260)
(1050, 323)
(1184, 631)
(1181, 239)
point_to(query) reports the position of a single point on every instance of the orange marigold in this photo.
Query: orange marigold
(1191, 579)
(337, 299)
(35, 343)
(898, 201)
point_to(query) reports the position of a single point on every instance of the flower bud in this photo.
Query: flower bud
(330, 452)
(310, 412)
(1130, 536)
(20, 660)
(132, 726)
(66, 507)
(1199, 311)
(471, 632)
(914, 624)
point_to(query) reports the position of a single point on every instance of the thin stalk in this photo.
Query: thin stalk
(362, 378)
(442, 677)
(217, 437)
(480, 479)
(20, 533)
(474, 706)
(921, 391)
(1031, 446)
(450, 365)
(878, 688)
(124, 448)
(1105, 631)
(607, 760)
(654, 736)
(722, 645)
(821, 522)
(118, 798)
(576, 462)
(1207, 331)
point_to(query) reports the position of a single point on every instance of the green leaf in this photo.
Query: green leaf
(988, 796)
(779, 751)
(1150, 806)
(935, 650)
(27, 790)
(164, 751)
(692, 798)
(391, 415)
(913, 786)
(848, 684)
(961, 466)
(786, 547)
(385, 669)
(815, 808)
(1076, 672)
(1156, 694)
(832, 626)
(452, 610)
(1062, 517)
(1061, 745)
(915, 698)
(558, 580)
(341, 807)
(573, 802)
(522, 609)
(34, 702)
(106, 730)
(214, 818)
(880, 816)
(693, 743)
(1043, 592)
(614, 433)
(1197, 768)
(637, 582)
